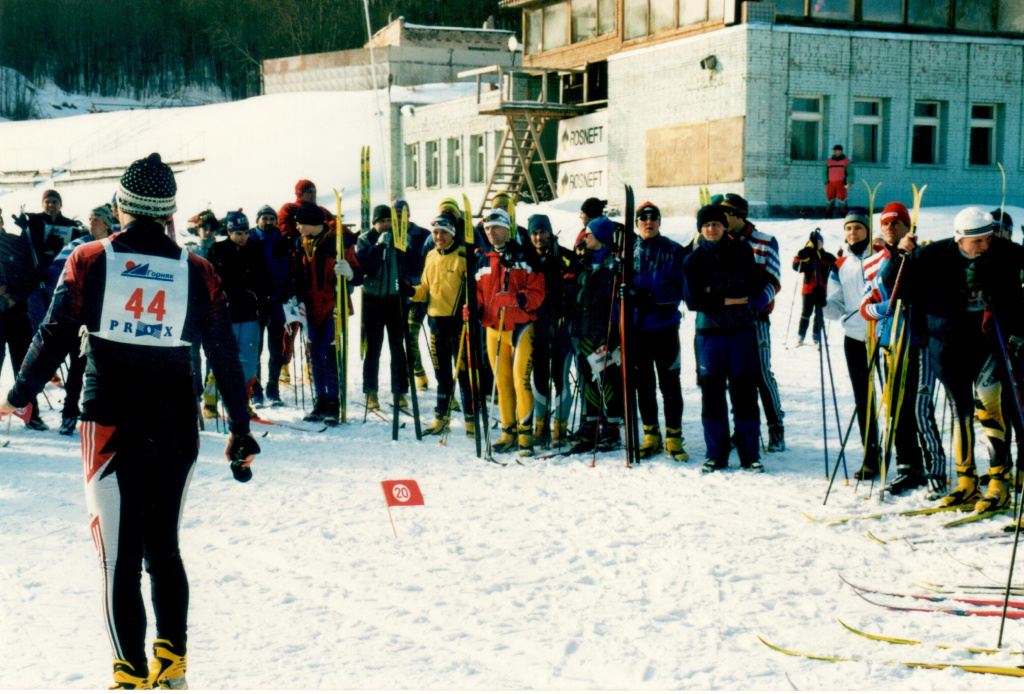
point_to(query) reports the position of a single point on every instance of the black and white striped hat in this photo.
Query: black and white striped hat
(147, 189)
(972, 222)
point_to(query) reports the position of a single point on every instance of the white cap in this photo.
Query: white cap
(499, 218)
(972, 222)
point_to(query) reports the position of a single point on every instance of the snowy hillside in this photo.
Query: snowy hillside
(552, 575)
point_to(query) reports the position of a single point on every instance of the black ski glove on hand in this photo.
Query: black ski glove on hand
(241, 450)
(973, 277)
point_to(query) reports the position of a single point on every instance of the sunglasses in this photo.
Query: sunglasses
(648, 216)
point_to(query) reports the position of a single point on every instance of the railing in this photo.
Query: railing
(507, 80)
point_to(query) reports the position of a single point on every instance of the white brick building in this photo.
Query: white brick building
(755, 107)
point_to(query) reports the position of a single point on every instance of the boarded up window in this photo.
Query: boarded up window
(695, 153)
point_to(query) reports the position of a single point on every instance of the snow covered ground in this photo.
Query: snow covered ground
(552, 575)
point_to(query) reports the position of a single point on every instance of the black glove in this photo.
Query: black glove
(973, 276)
(637, 295)
(239, 449)
(507, 259)
(1016, 347)
(406, 288)
(521, 300)
(805, 253)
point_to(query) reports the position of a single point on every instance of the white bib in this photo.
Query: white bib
(145, 299)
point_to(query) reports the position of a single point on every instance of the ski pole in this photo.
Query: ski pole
(1016, 532)
(604, 370)
(789, 321)
(824, 411)
(832, 383)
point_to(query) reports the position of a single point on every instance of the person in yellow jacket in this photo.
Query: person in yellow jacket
(442, 287)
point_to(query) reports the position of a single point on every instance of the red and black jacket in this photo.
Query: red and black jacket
(146, 391)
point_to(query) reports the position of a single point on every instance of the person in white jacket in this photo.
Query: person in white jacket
(844, 295)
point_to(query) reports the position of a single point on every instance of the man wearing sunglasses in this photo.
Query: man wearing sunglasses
(769, 281)
(656, 293)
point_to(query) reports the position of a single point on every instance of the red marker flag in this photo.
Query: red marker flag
(402, 493)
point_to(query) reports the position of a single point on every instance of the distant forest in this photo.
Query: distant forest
(149, 48)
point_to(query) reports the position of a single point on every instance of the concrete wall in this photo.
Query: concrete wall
(899, 69)
(664, 85)
(760, 69)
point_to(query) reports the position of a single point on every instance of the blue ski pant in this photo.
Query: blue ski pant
(729, 362)
(323, 360)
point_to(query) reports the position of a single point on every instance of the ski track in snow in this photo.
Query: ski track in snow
(549, 576)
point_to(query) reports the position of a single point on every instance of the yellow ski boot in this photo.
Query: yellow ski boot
(674, 444)
(652, 441)
(125, 677)
(167, 669)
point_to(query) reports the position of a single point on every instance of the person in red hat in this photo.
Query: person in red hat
(895, 223)
(305, 192)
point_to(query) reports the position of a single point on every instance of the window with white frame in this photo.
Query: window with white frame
(412, 165)
(433, 163)
(867, 130)
(477, 158)
(806, 122)
(983, 135)
(925, 140)
(455, 161)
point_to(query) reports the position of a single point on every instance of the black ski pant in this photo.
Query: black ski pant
(275, 351)
(16, 334)
(1011, 414)
(767, 388)
(445, 342)
(602, 390)
(135, 491)
(857, 364)
(380, 314)
(973, 379)
(417, 311)
(809, 308)
(73, 385)
(658, 351)
(905, 439)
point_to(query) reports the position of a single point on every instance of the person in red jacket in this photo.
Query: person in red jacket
(143, 302)
(509, 292)
(838, 179)
(315, 273)
(305, 192)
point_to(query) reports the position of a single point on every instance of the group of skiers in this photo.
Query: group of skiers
(512, 316)
(951, 311)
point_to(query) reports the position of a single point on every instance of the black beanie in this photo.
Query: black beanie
(309, 213)
(381, 212)
(147, 189)
(711, 213)
(592, 207)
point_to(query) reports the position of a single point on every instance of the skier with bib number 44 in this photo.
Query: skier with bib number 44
(143, 301)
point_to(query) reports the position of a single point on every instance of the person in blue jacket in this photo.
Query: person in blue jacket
(656, 292)
(720, 273)
(277, 251)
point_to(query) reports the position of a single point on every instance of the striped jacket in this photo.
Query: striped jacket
(769, 268)
(875, 304)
